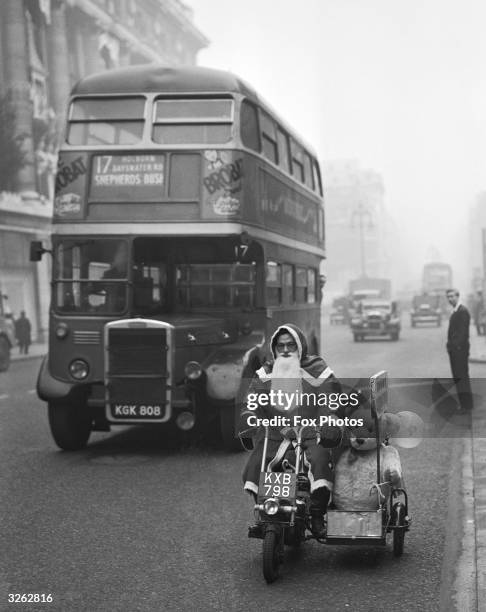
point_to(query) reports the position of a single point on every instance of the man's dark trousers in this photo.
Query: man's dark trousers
(459, 359)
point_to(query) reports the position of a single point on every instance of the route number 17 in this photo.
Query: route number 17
(241, 250)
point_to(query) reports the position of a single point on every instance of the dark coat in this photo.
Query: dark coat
(458, 333)
(22, 330)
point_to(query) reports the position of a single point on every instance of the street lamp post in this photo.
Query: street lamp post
(361, 212)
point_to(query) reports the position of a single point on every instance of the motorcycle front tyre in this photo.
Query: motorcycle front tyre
(270, 556)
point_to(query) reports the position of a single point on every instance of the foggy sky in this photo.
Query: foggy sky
(400, 86)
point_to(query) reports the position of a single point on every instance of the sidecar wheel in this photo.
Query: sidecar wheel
(399, 532)
(398, 541)
(270, 556)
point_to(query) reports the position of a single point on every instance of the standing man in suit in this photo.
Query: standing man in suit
(458, 348)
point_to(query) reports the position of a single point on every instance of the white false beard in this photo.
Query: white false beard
(287, 378)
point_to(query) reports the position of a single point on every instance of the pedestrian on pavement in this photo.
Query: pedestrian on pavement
(458, 348)
(478, 313)
(22, 333)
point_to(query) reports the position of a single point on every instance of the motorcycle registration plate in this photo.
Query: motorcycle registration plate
(277, 484)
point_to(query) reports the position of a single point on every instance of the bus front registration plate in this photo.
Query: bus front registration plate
(139, 412)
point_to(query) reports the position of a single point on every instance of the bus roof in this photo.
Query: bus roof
(155, 78)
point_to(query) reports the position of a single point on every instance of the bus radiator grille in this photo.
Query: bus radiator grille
(137, 352)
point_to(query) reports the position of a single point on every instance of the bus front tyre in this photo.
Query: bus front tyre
(70, 425)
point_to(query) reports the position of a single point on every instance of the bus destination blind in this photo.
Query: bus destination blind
(116, 178)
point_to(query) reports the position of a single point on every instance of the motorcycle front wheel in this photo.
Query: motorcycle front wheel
(270, 556)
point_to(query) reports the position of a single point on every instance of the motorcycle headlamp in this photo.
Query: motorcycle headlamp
(193, 370)
(271, 506)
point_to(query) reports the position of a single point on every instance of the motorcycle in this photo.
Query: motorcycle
(282, 508)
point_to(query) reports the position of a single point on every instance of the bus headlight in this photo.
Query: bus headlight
(79, 369)
(271, 506)
(193, 370)
(62, 330)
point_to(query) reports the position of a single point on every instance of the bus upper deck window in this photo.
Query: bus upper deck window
(317, 177)
(269, 138)
(283, 150)
(106, 121)
(297, 161)
(193, 121)
(308, 177)
(250, 135)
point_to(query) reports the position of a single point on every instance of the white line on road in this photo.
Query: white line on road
(31, 391)
(4, 396)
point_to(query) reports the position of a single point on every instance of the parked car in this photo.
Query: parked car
(426, 309)
(376, 318)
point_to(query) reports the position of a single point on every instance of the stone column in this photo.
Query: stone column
(18, 85)
(58, 63)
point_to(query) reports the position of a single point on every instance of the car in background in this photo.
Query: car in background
(376, 318)
(426, 309)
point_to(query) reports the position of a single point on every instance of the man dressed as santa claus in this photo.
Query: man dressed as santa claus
(298, 378)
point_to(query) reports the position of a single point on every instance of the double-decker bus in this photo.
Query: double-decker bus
(188, 224)
(436, 279)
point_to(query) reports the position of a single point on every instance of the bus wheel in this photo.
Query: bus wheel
(231, 442)
(70, 425)
(4, 354)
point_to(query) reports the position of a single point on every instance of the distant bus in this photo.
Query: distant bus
(188, 224)
(436, 278)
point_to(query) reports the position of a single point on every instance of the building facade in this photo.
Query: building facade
(45, 47)
(477, 243)
(358, 227)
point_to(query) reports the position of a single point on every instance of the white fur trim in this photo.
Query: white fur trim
(318, 484)
(316, 382)
(251, 486)
(263, 375)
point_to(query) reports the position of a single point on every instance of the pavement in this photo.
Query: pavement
(37, 349)
(476, 459)
(478, 456)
